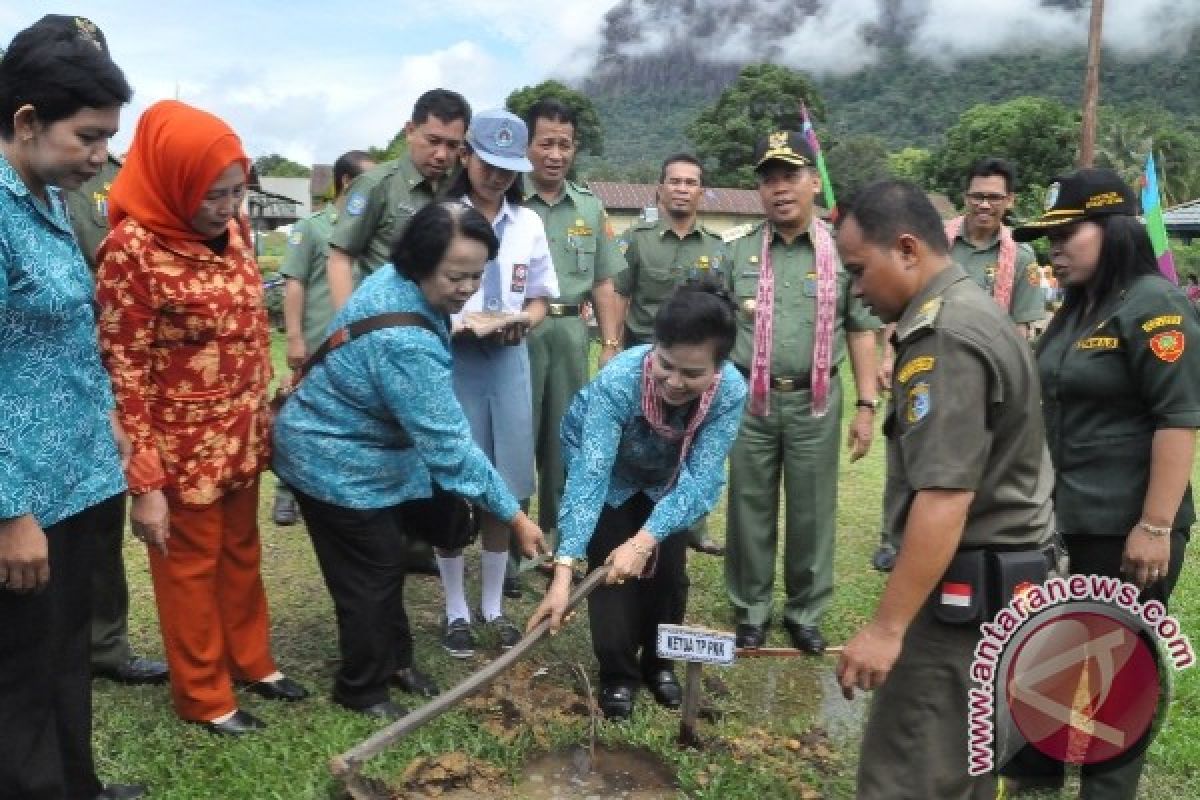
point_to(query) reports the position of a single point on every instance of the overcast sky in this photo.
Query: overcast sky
(313, 79)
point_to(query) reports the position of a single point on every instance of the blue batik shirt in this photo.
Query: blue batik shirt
(376, 423)
(57, 451)
(612, 453)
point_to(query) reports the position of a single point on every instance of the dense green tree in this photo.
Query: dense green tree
(911, 164)
(276, 166)
(590, 133)
(1126, 135)
(855, 161)
(1039, 135)
(397, 147)
(764, 98)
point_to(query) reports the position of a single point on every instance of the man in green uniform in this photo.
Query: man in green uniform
(662, 254)
(983, 246)
(586, 259)
(797, 321)
(112, 656)
(968, 470)
(382, 200)
(307, 309)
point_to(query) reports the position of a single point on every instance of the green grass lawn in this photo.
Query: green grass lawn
(777, 729)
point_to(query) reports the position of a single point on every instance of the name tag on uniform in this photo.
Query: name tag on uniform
(520, 276)
(1098, 343)
(580, 230)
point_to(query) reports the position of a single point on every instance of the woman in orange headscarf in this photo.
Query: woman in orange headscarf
(183, 333)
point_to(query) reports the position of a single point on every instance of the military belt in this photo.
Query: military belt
(788, 383)
(564, 310)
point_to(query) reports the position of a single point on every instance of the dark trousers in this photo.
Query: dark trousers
(625, 618)
(110, 593)
(362, 558)
(45, 679)
(1101, 555)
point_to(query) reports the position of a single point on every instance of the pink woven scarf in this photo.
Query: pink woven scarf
(764, 323)
(1006, 263)
(652, 410)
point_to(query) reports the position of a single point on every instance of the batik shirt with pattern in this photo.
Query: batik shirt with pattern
(612, 453)
(57, 452)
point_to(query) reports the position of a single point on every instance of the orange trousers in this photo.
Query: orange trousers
(211, 605)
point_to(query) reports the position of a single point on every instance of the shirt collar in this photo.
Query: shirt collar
(664, 228)
(992, 242)
(412, 178)
(919, 307)
(507, 213)
(55, 213)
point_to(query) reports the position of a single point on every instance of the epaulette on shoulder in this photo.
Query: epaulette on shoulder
(926, 316)
(737, 232)
(579, 187)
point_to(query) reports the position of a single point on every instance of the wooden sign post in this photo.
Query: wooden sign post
(696, 647)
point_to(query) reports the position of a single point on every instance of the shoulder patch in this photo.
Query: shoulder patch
(918, 404)
(737, 232)
(915, 367)
(356, 204)
(1168, 345)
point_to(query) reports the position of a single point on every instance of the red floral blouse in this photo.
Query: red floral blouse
(183, 333)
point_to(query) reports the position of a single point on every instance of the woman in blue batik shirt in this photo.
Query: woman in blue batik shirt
(374, 425)
(60, 470)
(645, 446)
(491, 372)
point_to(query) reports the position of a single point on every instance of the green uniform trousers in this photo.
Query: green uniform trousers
(110, 593)
(916, 738)
(806, 450)
(558, 367)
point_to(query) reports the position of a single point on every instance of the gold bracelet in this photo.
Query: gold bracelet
(566, 561)
(1155, 530)
(611, 343)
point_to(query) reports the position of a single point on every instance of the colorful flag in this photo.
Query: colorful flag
(1155, 225)
(811, 136)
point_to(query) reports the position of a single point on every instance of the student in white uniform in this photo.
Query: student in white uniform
(491, 371)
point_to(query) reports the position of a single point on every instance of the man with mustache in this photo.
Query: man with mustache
(797, 323)
(662, 254)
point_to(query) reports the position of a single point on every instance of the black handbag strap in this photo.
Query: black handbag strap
(394, 319)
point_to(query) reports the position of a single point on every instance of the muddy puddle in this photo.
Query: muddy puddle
(790, 694)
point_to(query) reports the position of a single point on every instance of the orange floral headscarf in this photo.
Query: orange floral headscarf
(177, 153)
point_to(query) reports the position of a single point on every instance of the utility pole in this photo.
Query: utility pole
(1091, 87)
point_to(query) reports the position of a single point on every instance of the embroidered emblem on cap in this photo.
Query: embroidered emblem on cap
(1052, 195)
(1168, 345)
(777, 140)
(88, 32)
(504, 136)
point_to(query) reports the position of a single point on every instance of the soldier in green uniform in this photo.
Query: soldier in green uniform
(382, 200)
(797, 322)
(307, 308)
(984, 247)
(661, 255)
(586, 259)
(968, 471)
(111, 656)
(1122, 404)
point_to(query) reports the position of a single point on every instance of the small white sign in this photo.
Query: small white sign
(695, 644)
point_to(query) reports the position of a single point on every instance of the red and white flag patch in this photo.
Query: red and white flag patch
(956, 594)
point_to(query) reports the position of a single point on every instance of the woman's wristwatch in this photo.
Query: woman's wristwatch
(869, 405)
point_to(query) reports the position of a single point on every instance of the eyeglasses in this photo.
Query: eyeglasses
(991, 198)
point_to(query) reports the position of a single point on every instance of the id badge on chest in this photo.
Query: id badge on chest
(520, 277)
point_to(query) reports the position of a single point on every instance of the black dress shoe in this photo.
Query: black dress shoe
(136, 672)
(707, 546)
(284, 512)
(239, 724)
(750, 637)
(279, 689)
(806, 637)
(122, 791)
(665, 688)
(413, 681)
(385, 710)
(616, 702)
